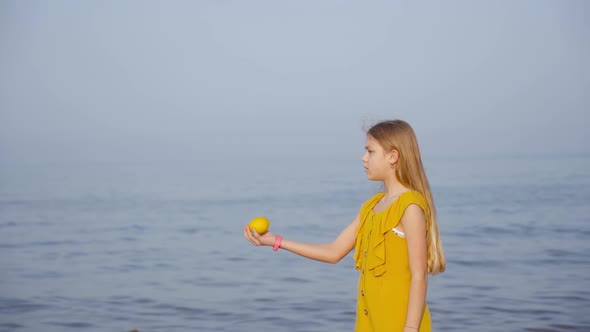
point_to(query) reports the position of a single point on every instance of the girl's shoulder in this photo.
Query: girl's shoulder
(412, 194)
(412, 197)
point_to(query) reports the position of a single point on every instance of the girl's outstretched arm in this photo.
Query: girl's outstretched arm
(329, 253)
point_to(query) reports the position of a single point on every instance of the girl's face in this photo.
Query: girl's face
(376, 160)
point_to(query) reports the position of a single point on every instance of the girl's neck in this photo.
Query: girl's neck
(393, 188)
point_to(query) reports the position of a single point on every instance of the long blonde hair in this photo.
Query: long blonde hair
(399, 135)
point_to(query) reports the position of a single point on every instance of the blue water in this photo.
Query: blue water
(159, 246)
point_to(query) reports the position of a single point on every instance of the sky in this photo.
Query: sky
(208, 80)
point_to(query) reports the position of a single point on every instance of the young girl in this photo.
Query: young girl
(395, 236)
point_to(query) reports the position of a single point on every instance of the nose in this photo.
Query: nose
(364, 157)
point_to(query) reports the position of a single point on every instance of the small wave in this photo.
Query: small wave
(19, 306)
(296, 280)
(10, 326)
(72, 324)
(559, 328)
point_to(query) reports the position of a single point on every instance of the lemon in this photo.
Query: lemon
(260, 224)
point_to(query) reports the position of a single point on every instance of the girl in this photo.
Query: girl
(395, 236)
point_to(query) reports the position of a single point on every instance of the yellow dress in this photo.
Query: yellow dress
(382, 258)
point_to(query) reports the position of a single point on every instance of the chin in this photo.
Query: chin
(371, 178)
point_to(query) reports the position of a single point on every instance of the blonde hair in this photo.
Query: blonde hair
(399, 135)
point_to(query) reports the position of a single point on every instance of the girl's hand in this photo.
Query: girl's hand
(266, 239)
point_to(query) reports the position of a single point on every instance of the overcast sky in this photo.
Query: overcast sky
(120, 80)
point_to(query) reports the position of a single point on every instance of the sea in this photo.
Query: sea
(157, 246)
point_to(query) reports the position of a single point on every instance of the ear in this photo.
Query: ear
(393, 157)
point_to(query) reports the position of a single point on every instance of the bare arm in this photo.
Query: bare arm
(329, 253)
(414, 224)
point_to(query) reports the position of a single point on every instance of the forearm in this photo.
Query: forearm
(319, 252)
(417, 300)
(329, 253)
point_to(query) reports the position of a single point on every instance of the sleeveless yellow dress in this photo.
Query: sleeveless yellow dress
(381, 256)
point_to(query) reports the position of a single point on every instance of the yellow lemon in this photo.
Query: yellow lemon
(260, 224)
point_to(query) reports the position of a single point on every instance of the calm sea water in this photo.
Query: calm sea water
(159, 246)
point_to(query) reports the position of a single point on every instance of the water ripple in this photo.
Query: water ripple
(17, 306)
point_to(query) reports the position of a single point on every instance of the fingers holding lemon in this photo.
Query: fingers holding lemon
(259, 224)
(256, 231)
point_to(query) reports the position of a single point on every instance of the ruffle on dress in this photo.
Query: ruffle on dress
(391, 218)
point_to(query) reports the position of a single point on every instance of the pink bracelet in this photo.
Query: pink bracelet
(278, 241)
